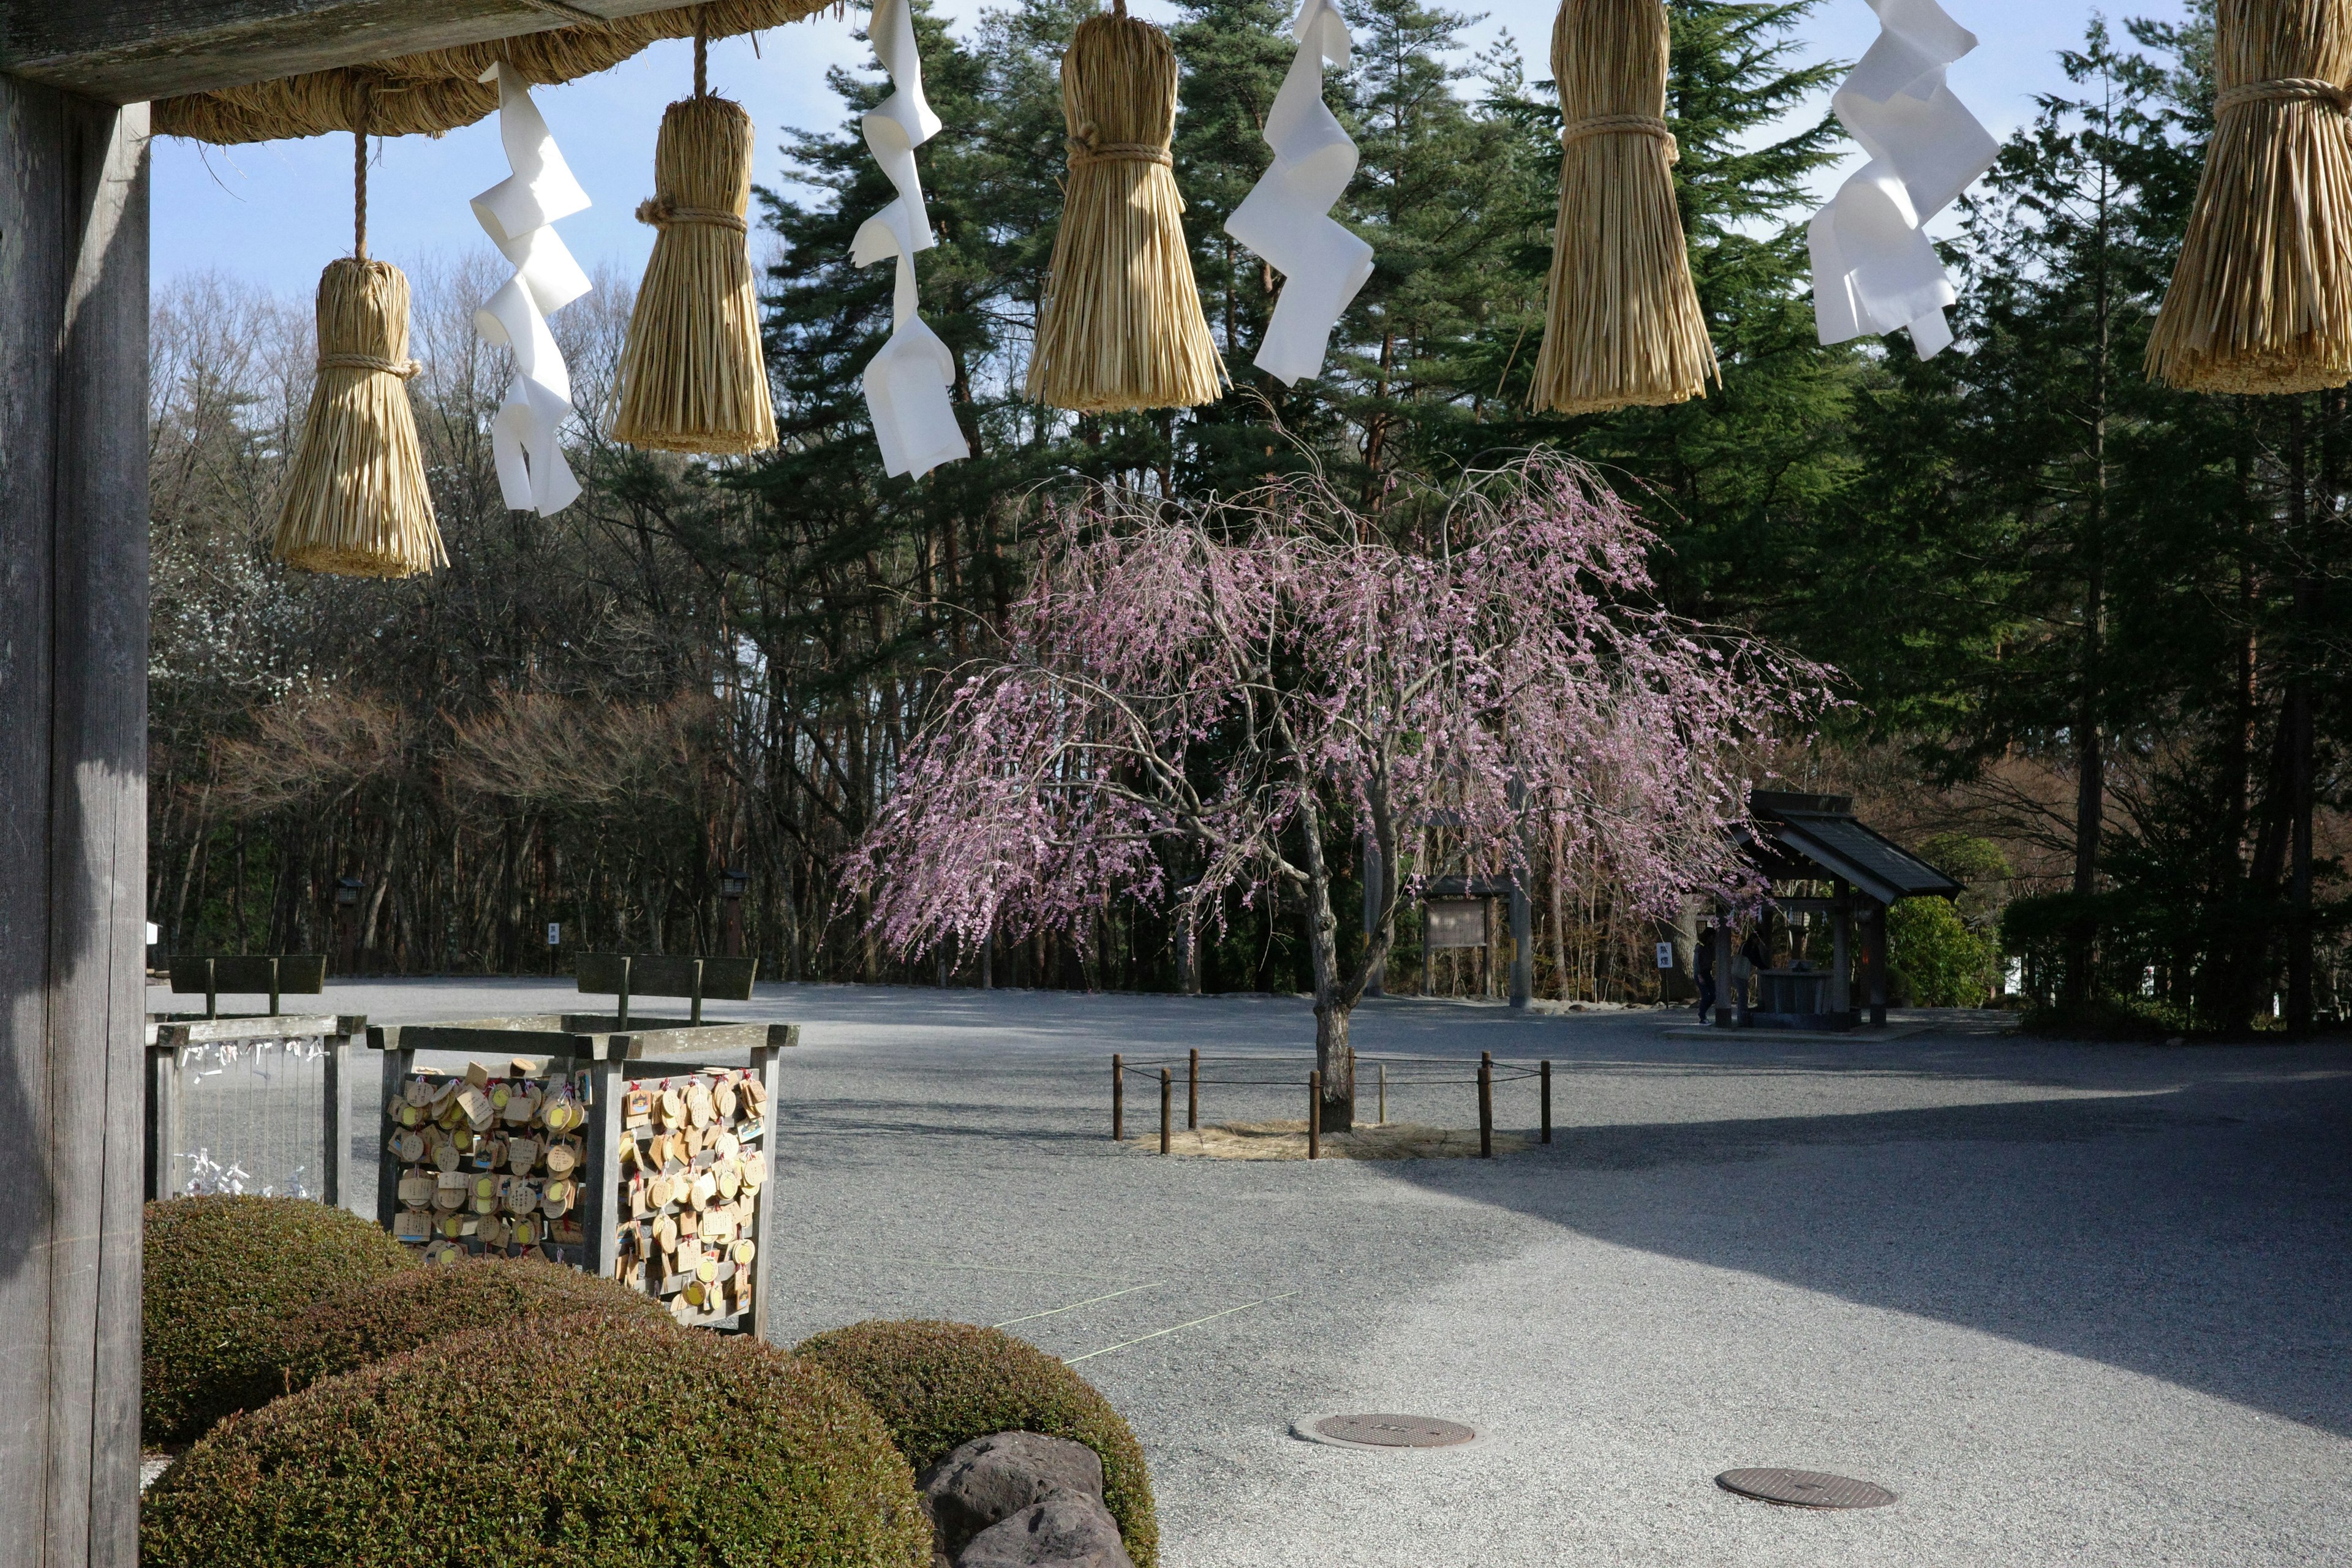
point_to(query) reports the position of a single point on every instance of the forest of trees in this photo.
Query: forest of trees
(2089, 626)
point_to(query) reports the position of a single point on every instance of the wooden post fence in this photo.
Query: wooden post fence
(1118, 1098)
(1167, 1106)
(1546, 1102)
(1315, 1114)
(1192, 1094)
(1384, 1094)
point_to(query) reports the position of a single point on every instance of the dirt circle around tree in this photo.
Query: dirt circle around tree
(1288, 1140)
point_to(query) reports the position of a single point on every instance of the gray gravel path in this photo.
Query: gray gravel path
(2074, 1303)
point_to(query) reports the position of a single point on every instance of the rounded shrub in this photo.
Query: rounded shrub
(395, 1313)
(939, 1386)
(221, 1274)
(591, 1442)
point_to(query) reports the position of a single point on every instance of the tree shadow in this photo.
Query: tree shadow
(2199, 1235)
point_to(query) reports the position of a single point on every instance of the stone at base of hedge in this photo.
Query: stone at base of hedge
(220, 1274)
(588, 1443)
(991, 1478)
(1063, 1531)
(939, 1386)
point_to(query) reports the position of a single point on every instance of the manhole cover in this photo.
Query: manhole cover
(1805, 1489)
(1394, 1431)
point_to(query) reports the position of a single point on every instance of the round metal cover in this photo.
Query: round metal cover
(1394, 1431)
(1805, 1489)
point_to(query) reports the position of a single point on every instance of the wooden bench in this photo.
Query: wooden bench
(300, 975)
(624, 975)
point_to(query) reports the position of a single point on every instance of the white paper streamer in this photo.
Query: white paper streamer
(516, 213)
(1286, 216)
(905, 384)
(1874, 270)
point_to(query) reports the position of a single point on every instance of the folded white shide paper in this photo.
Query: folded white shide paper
(517, 212)
(1286, 218)
(905, 384)
(1875, 270)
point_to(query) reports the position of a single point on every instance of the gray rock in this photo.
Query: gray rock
(1063, 1531)
(991, 1478)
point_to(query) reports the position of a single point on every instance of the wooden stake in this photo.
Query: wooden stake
(1486, 1105)
(1118, 1098)
(1167, 1107)
(1192, 1093)
(1546, 1102)
(1315, 1114)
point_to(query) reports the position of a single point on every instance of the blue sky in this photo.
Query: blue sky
(275, 213)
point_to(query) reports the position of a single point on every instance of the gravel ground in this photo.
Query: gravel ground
(2073, 1303)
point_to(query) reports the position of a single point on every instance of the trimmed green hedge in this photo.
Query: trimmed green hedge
(221, 1273)
(939, 1386)
(585, 1442)
(391, 1315)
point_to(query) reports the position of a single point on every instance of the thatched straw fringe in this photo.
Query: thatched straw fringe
(1121, 324)
(2262, 296)
(426, 94)
(355, 503)
(1623, 325)
(691, 378)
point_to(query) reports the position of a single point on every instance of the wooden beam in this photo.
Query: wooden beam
(73, 834)
(128, 52)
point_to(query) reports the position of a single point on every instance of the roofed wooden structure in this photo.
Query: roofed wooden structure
(76, 83)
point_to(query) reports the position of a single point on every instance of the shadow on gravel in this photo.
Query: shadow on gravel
(2199, 1236)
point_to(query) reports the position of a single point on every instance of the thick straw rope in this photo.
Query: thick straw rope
(355, 502)
(442, 90)
(691, 376)
(1623, 324)
(1121, 326)
(2261, 299)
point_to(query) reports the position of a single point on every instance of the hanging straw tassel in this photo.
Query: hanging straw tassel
(2262, 296)
(355, 503)
(1121, 326)
(1623, 325)
(691, 378)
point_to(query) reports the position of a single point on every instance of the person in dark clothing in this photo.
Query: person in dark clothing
(1704, 967)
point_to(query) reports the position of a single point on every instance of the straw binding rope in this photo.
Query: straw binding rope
(2286, 86)
(1623, 125)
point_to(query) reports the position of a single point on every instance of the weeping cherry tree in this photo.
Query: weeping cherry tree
(1246, 687)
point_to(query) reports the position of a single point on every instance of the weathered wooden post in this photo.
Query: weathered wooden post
(1192, 1094)
(1547, 1100)
(1315, 1114)
(73, 832)
(1118, 1098)
(1167, 1106)
(1384, 1094)
(1486, 1105)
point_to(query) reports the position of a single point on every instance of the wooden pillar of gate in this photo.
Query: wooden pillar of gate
(73, 832)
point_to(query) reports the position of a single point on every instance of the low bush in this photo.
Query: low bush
(593, 1442)
(1936, 960)
(221, 1274)
(2110, 1018)
(395, 1313)
(939, 1386)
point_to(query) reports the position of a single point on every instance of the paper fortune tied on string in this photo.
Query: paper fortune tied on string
(905, 384)
(1286, 216)
(517, 212)
(1875, 268)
